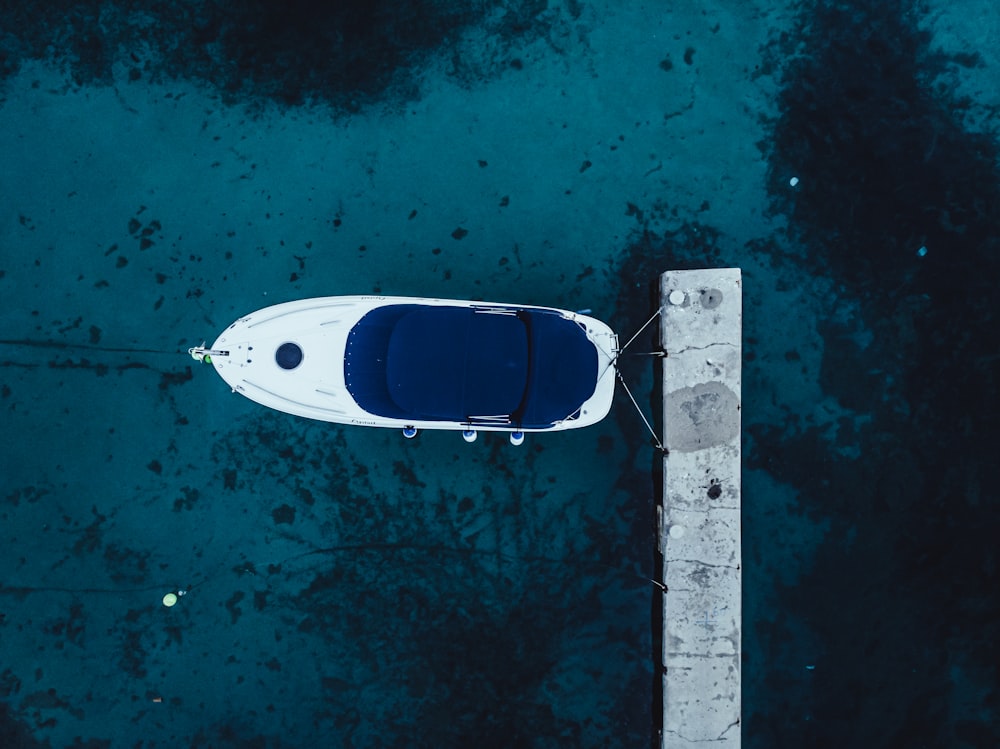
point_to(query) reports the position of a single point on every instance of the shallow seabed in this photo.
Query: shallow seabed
(168, 167)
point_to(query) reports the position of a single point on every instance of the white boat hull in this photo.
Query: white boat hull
(316, 333)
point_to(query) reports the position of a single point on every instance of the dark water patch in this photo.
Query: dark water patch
(454, 616)
(234, 735)
(10, 683)
(172, 379)
(16, 732)
(232, 606)
(29, 494)
(91, 537)
(478, 669)
(870, 125)
(71, 626)
(126, 565)
(886, 167)
(291, 52)
(132, 655)
(283, 515)
(188, 500)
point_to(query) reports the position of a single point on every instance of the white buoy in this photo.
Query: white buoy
(516, 438)
(794, 181)
(169, 599)
(677, 297)
(469, 435)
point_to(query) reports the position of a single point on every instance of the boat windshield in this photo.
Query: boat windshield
(470, 365)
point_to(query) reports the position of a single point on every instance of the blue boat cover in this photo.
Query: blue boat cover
(528, 368)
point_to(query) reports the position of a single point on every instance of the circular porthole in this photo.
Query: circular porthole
(288, 355)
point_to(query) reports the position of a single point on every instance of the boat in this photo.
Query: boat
(422, 364)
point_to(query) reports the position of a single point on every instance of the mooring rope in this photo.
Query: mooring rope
(628, 392)
(641, 414)
(63, 346)
(639, 332)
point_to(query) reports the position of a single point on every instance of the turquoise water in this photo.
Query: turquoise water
(168, 167)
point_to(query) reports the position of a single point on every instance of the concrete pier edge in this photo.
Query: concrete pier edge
(699, 531)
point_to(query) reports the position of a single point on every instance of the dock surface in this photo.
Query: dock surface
(700, 517)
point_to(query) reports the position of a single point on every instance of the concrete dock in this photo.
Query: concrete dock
(701, 325)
